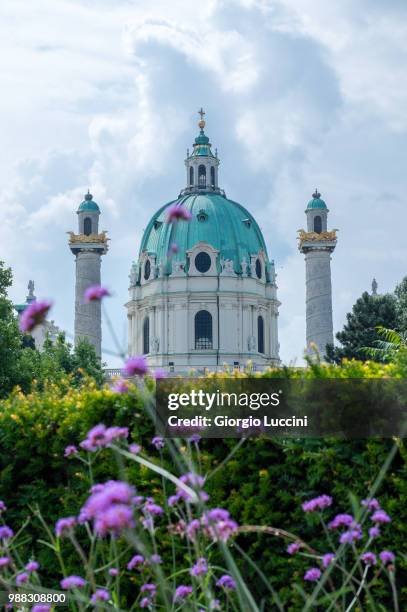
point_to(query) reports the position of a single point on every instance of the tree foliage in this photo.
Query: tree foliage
(21, 363)
(360, 329)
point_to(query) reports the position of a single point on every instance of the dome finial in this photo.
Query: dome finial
(201, 123)
(88, 196)
(316, 195)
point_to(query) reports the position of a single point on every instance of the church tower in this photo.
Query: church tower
(317, 244)
(88, 246)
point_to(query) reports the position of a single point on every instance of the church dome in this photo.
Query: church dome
(88, 204)
(316, 201)
(222, 223)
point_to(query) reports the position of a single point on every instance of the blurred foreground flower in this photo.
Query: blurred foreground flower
(34, 314)
(135, 366)
(95, 293)
(178, 213)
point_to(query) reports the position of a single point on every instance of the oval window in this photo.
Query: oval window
(147, 270)
(202, 262)
(258, 268)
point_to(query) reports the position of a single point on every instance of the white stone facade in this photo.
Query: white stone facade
(235, 302)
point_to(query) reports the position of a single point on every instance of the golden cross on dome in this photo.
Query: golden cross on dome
(201, 112)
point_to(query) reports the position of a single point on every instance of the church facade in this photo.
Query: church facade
(203, 292)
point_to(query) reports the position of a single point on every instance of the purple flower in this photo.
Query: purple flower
(145, 602)
(135, 561)
(327, 559)
(95, 438)
(386, 556)
(173, 499)
(371, 504)
(313, 574)
(34, 314)
(158, 442)
(100, 595)
(95, 293)
(5, 532)
(113, 433)
(293, 548)
(150, 588)
(200, 568)
(341, 520)
(32, 566)
(177, 212)
(135, 449)
(192, 528)
(173, 250)
(369, 558)
(41, 608)
(195, 438)
(380, 516)
(3, 507)
(153, 508)
(21, 578)
(4, 561)
(64, 524)
(226, 582)
(156, 559)
(135, 366)
(70, 450)
(114, 520)
(113, 571)
(159, 374)
(182, 592)
(317, 503)
(350, 536)
(374, 532)
(218, 524)
(120, 386)
(72, 582)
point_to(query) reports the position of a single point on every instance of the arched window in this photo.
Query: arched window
(147, 270)
(259, 271)
(212, 176)
(260, 334)
(191, 175)
(87, 226)
(317, 224)
(202, 176)
(146, 336)
(202, 262)
(203, 330)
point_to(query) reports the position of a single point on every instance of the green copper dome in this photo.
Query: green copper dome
(316, 201)
(224, 224)
(88, 205)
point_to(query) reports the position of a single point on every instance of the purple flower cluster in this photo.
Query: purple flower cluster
(101, 436)
(182, 592)
(327, 559)
(135, 366)
(226, 582)
(135, 561)
(100, 595)
(317, 503)
(65, 525)
(70, 450)
(32, 566)
(149, 590)
(95, 293)
(178, 213)
(293, 548)
(313, 574)
(110, 507)
(369, 558)
(386, 556)
(72, 582)
(5, 532)
(34, 315)
(195, 482)
(199, 568)
(158, 442)
(120, 386)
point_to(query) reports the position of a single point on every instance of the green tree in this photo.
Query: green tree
(11, 346)
(401, 295)
(360, 330)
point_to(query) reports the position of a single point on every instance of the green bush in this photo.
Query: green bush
(264, 483)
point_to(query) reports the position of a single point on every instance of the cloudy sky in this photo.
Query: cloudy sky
(298, 94)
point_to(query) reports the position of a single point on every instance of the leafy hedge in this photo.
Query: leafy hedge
(263, 483)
